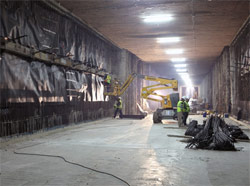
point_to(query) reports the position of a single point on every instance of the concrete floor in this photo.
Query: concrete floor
(135, 150)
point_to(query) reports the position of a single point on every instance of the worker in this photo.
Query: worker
(186, 110)
(180, 109)
(107, 81)
(118, 107)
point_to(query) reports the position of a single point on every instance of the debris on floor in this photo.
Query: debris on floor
(215, 134)
(134, 116)
(237, 133)
(193, 128)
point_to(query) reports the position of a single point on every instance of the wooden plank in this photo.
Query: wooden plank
(179, 136)
(242, 140)
(240, 122)
(173, 128)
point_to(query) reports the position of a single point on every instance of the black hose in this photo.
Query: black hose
(46, 155)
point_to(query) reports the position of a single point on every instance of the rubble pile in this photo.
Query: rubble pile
(215, 134)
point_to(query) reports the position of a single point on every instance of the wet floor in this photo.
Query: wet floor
(134, 150)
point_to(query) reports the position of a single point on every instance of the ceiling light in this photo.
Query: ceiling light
(181, 70)
(178, 59)
(157, 18)
(174, 51)
(168, 39)
(180, 65)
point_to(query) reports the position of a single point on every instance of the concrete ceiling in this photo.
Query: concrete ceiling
(204, 27)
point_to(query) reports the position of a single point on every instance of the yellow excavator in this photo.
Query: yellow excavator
(168, 102)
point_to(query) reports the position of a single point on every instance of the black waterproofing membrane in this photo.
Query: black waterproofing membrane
(215, 134)
(47, 30)
(34, 95)
(23, 81)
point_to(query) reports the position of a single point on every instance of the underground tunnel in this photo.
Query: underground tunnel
(121, 92)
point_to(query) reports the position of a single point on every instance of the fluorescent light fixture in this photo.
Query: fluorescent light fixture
(180, 65)
(174, 51)
(157, 18)
(168, 39)
(178, 59)
(181, 70)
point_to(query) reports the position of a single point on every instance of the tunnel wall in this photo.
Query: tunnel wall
(35, 95)
(227, 86)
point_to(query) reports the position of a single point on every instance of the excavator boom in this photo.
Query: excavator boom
(168, 102)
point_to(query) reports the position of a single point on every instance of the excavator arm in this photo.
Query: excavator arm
(119, 90)
(148, 91)
(168, 102)
(163, 83)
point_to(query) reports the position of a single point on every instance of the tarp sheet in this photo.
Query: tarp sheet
(48, 30)
(34, 95)
(22, 81)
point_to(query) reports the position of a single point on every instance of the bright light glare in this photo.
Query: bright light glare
(186, 79)
(157, 18)
(168, 39)
(181, 70)
(188, 82)
(183, 74)
(178, 59)
(180, 65)
(174, 51)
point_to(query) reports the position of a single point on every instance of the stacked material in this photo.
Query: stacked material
(193, 128)
(214, 135)
(237, 133)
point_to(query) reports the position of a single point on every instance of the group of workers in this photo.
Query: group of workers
(182, 111)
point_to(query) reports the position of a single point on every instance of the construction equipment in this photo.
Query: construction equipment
(168, 102)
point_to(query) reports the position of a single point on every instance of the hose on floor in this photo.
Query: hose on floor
(60, 157)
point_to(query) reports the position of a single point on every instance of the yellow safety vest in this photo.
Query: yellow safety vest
(108, 79)
(118, 104)
(180, 106)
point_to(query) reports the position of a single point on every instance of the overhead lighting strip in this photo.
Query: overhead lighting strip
(158, 18)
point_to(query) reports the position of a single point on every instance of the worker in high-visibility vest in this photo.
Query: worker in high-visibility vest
(180, 110)
(186, 110)
(118, 107)
(107, 81)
